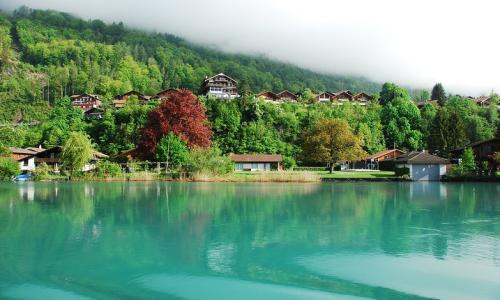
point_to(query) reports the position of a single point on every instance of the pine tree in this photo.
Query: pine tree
(439, 94)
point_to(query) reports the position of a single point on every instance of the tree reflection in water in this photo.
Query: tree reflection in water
(96, 238)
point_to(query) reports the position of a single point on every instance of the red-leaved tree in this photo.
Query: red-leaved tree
(183, 114)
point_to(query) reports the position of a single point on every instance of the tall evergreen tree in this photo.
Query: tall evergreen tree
(439, 94)
(447, 132)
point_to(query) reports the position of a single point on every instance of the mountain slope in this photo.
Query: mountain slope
(48, 39)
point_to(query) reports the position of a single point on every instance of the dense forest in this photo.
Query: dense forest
(46, 56)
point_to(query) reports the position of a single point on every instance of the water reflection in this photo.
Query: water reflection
(101, 237)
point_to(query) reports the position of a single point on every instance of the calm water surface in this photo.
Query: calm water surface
(249, 241)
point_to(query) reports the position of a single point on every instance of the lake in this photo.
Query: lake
(249, 241)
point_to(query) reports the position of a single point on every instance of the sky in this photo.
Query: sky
(415, 43)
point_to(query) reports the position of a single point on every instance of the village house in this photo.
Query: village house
(25, 158)
(483, 101)
(94, 113)
(282, 96)
(286, 96)
(376, 160)
(342, 97)
(85, 101)
(422, 165)
(267, 96)
(163, 95)
(257, 162)
(362, 98)
(325, 97)
(121, 100)
(220, 86)
(483, 152)
(52, 157)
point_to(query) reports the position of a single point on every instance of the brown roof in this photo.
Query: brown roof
(36, 149)
(493, 140)
(255, 157)
(482, 99)
(21, 151)
(362, 95)
(421, 158)
(267, 94)
(382, 153)
(284, 94)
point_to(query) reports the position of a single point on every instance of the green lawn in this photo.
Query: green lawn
(347, 174)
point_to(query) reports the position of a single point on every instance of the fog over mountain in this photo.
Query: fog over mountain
(415, 43)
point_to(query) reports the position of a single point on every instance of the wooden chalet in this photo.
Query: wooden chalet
(94, 113)
(220, 86)
(267, 96)
(373, 161)
(257, 162)
(325, 97)
(85, 101)
(163, 95)
(343, 96)
(121, 100)
(483, 152)
(362, 98)
(52, 157)
(25, 158)
(482, 101)
(287, 96)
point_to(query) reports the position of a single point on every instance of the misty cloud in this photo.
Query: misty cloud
(413, 43)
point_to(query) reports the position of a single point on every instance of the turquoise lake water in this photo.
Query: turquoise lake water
(249, 241)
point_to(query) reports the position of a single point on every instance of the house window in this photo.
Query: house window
(26, 162)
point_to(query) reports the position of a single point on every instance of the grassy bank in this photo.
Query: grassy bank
(355, 175)
(284, 176)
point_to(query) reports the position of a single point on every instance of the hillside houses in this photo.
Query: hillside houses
(220, 86)
(482, 101)
(121, 100)
(279, 97)
(85, 101)
(343, 97)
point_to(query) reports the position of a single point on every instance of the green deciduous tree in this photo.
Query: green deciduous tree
(8, 168)
(77, 152)
(331, 141)
(172, 150)
(390, 91)
(401, 120)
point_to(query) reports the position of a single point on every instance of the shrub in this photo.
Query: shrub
(41, 172)
(209, 161)
(289, 163)
(386, 165)
(8, 168)
(468, 164)
(402, 172)
(106, 168)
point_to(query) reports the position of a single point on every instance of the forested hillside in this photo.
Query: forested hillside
(53, 54)
(45, 56)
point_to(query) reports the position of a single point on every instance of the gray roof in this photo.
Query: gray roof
(421, 158)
